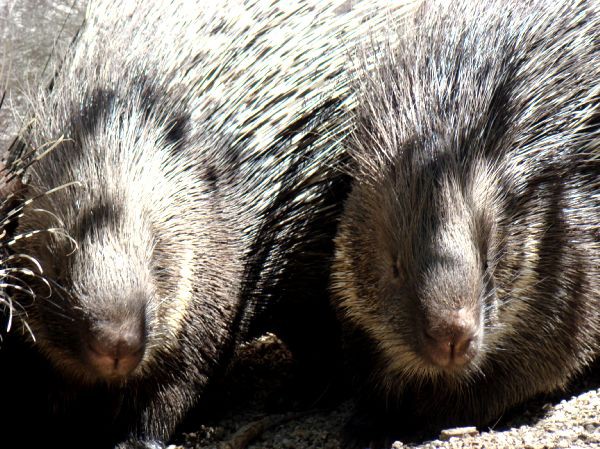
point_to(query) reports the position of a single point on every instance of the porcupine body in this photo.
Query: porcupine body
(190, 150)
(467, 266)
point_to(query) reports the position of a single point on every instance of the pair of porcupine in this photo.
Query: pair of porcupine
(466, 267)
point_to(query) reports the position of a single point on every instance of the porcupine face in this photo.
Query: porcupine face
(121, 256)
(416, 247)
(413, 266)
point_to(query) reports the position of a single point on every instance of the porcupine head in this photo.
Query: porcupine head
(127, 228)
(414, 252)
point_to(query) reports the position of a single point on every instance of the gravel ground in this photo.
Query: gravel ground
(257, 378)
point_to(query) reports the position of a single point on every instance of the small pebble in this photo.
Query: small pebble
(458, 432)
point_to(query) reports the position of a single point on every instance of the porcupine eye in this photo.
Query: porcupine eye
(160, 266)
(485, 257)
(395, 271)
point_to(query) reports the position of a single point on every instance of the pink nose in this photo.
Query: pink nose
(451, 341)
(116, 350)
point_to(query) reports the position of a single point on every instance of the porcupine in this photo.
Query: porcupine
(201, 142)
(467, 264)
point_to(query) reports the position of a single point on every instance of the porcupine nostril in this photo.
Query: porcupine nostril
(115, 349)
(449, 341)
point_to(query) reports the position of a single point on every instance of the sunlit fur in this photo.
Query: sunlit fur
(476, 141)
(198, 145)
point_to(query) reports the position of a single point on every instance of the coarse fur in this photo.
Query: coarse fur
(191, 153)
(11, 265)
(476, 190)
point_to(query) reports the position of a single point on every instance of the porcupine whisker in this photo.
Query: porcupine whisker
(32, 156)
(14, 283)
(59, 231)
(17, 256)
(17, 210)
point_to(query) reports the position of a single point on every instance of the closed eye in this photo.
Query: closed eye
(395, 271)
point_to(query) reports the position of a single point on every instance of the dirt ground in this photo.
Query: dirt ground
(568, 420)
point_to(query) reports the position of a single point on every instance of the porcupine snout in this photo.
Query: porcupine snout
(451, 306)
(113, 303)
(115, 347)
(449, 340)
